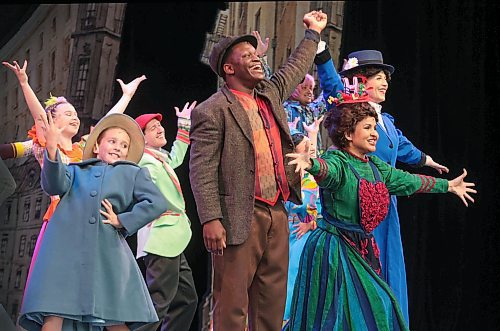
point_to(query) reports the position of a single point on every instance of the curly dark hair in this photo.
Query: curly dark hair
(342, 120)
(367, 72)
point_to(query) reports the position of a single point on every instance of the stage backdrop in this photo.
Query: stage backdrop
(444, 96)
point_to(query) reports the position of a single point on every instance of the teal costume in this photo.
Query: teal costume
(340, 285)
(85, 271)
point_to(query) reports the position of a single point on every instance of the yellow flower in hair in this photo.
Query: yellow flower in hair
(54, 101)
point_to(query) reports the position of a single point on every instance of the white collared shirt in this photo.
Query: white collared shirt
(378, 109)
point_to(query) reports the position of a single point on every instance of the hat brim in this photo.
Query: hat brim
(125, 122)
(382, 66)
(245, 38)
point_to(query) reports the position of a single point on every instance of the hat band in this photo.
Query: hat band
(370, 62)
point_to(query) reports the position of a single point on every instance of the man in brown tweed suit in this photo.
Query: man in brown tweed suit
(239, 178)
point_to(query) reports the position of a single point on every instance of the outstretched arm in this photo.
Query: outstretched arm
(400, 182)
(327, 169)
(16, 150)
(128, 92)
(34, 105)
(429, 162)
(461, 188)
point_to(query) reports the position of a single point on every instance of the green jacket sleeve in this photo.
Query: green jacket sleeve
(400, 182)
(328, 171)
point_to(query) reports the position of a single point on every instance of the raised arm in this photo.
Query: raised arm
(51, 133)
(312, 132)
(293, 72)
(128, 92)
(181, 143)
(34, 105)
(262, 47)
(329, 79)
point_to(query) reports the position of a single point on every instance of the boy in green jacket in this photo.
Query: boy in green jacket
(162, 242)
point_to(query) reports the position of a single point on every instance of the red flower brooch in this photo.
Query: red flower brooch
(373, 204)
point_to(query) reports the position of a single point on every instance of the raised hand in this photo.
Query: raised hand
(51, 133)
(315, 20)
(186, 111)
(20, 72)
(293, 125)
(431, 163)
(461, 188)
(302, 161)
(130, 88)
(262, 47)
(112, 218)
(314, 126)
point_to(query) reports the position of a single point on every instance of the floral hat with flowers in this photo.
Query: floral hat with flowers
(353, 92)
(365, 58)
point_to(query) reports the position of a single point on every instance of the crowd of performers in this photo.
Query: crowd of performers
(302, 236)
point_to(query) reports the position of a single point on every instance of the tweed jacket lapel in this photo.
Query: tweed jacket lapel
(278, 112)
(239, 114)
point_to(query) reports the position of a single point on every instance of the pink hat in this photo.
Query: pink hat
(145, 118)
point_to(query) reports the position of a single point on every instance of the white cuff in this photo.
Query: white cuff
(321, 47)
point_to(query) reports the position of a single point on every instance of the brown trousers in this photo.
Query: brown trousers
(250, 279)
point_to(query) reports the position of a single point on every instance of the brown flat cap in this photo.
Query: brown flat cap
(220, 50)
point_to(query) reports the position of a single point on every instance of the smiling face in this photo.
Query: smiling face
(112, 145)
(364, 138)
(66, 116)
(304, 92)
(377, 86)
(242, 65)
(154, 134)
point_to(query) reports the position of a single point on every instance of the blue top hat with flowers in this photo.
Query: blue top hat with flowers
(365, 58)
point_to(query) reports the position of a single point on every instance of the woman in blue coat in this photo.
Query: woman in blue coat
(85, 276)
(392, 146)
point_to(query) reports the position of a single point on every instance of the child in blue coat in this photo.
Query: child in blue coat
(85, 276)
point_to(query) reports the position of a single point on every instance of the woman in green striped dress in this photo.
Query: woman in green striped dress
(339, 284)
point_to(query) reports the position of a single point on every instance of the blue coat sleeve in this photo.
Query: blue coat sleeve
(150, 204)
(55, 176)
(407, 152)
(329, 79)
